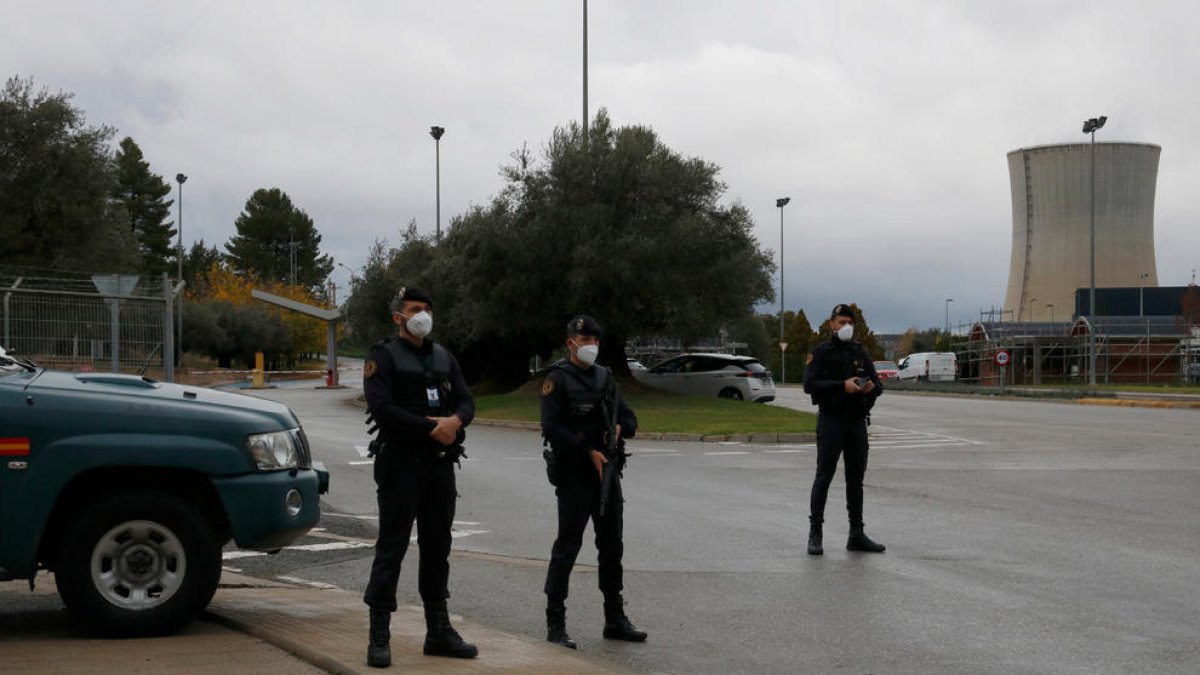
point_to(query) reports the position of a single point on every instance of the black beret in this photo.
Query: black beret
(410, 294)
(841, 309)
(583, 324)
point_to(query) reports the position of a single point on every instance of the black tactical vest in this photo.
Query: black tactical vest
(422, 383)
(841, 363)
(583, 398)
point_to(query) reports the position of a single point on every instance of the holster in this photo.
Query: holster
(553, 466)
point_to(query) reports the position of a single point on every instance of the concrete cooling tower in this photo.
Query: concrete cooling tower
(1051, 206)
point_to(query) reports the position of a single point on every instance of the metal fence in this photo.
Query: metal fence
(113, 323)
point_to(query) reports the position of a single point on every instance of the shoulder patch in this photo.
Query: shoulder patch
(369, 368)
(809, 359)
(547, 387)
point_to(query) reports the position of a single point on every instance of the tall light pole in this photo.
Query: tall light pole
(585, 75)
(1031, 306)
(781, 202)
(437, 132)
(178, 355)
(946, 332)
(1142, 293)
(1089, 127)
(1050, 306)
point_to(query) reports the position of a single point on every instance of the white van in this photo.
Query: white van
(928, 366)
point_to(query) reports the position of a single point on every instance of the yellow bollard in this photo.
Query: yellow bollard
(258, 378)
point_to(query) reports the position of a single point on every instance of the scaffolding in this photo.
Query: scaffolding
(1129, 350)
(103, 322)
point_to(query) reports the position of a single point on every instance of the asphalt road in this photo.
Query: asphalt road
(1023, 537)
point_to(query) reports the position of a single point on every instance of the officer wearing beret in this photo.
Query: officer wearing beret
(576, 396)
(418, 400)
(842, 381)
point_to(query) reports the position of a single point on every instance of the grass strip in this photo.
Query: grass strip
(670, 413)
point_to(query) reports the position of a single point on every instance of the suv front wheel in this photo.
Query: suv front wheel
(138, 564)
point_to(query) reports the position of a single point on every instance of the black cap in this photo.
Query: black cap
(842, 309)
(582, 324)
(410, 294)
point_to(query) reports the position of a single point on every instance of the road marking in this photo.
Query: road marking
(783, 452)
(362, 450)
(369, 461)
(729, 452)
(306, 582)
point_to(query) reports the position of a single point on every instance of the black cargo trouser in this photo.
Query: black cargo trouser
(412, 489)
(578, 494)
(847, 436)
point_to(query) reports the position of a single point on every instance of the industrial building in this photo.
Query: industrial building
(1143, 334)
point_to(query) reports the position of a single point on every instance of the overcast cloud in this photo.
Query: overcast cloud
(887, 123)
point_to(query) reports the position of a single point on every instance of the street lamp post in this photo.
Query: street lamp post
(781, 202)
(437, 132)
(1142, 293)
(585, 75)
(178, 355)
(1031, 306)
(1050, 306)
(1089, 127)
(946, 332)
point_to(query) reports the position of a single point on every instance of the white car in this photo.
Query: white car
(741, 378)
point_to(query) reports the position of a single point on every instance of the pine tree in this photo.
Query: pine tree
(267, 230)
(142, 193)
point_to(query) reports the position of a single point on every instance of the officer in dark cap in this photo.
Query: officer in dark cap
(841, 379)
(418, 400)
(579, 399)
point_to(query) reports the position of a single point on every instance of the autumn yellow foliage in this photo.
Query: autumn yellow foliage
(224, 284)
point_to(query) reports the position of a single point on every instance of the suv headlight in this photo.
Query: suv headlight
(274, 451)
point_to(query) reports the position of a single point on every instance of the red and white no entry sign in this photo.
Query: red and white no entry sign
(1002, 357)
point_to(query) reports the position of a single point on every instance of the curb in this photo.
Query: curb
(1134, 403)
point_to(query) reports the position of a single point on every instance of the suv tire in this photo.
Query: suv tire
(138, 564)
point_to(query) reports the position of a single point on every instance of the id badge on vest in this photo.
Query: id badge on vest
(432, 396)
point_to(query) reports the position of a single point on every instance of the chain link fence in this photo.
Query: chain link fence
(103, 322)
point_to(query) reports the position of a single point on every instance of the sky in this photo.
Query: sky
(886, 123)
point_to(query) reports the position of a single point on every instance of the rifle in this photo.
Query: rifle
(614, 447)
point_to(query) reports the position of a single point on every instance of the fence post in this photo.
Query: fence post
(168, 350)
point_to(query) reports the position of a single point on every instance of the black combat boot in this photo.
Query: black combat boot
(814, 540)
(441, 639)
(379, 655)
(859, 541)
(556, 625)
(616, 624)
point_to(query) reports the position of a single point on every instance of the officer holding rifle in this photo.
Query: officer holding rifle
(584, 422)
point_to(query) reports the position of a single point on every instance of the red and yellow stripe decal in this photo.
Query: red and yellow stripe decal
(14, 447)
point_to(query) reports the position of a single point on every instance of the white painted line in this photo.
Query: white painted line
(729, 452)
(466, 522)
(306, 582)
(362, 450)
(329, 546)
(654, 451)
(782, 452)
(235, 570)
(234, 555)
(348, 515)
(369, 461)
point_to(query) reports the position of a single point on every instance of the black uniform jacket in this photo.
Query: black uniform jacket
(381, 383)
(830, 364)
(568, 431)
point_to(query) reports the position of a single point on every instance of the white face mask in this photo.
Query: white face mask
(419, 325)
(587, 354)
(846, 333)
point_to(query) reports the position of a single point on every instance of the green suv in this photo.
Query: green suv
(127, 489)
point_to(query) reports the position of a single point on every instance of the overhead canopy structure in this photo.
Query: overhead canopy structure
(331, 317)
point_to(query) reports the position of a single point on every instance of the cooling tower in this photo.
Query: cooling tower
(1051, 206)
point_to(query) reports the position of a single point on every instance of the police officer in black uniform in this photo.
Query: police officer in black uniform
(842, 381)
(576, 395)
(417, 398)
